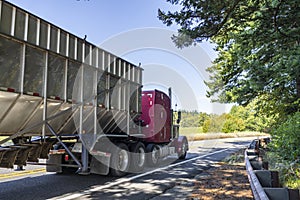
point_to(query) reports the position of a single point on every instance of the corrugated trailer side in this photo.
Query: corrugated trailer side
(75, 104)
(55, 83)
(42, 64)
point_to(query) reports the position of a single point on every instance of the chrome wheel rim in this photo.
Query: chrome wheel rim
(123, 160)
(155, 155)
(141, 157)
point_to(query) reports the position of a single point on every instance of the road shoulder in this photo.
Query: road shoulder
(223, 180)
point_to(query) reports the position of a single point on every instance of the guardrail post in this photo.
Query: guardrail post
(277, 193)
(267, 178)
(265, 183)
(257, 190)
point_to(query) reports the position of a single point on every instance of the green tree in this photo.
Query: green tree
(206, 125)
(247, 118)
(202, 117)
(190, 118)
(233, 124)
(258, 46)
(257, 119)
(214, 124)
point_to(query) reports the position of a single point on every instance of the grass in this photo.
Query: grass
(190, 130)
(195, 133)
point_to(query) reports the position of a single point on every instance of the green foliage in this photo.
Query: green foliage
(237, 157)
(202, 118)
(190, 118)
(292, 182)
(233, 124)
(284, 154)
(238, 119)
(289, 171)
(250, 118)
(258, 46)
(193, 118)
(286, 138)
(214, 124)
(257, 63)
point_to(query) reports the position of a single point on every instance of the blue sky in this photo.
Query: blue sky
(99, 19)
(115, 25)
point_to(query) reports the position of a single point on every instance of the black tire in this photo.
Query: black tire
(138, 155)
(184, 150)
(120, 160)
(152, 155)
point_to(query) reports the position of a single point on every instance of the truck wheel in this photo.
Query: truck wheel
(152, 155)
(138, 157)
(120, 158)
(184, 149)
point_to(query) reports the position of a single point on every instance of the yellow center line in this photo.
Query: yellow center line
(22, 173)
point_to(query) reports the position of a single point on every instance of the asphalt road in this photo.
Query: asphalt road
(172, 180)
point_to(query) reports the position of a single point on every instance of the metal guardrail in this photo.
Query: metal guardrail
(257, 189)
(265, 183)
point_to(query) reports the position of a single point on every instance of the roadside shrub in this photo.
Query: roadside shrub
(286, 139)
(289, 171)
(285, 151)
(214, 124)
(206, 125)
(233, 124)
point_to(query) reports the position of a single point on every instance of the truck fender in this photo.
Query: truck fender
(179, 143)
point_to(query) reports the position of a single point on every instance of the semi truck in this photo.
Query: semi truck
(76, 105)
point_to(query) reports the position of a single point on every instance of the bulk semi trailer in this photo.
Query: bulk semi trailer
(78, 106)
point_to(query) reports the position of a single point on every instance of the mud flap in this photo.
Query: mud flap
(100, 164)
(54, 163)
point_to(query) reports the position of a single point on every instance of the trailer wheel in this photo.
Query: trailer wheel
(138, 157)
(152, 155)
(184, 149)
(119, 160)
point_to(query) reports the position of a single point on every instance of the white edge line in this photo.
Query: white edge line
(124, 180)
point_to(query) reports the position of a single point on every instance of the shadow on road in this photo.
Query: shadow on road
(94, 186)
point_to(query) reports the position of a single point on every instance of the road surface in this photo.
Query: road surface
(169, 181)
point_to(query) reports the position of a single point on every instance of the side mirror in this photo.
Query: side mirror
(179, 117)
